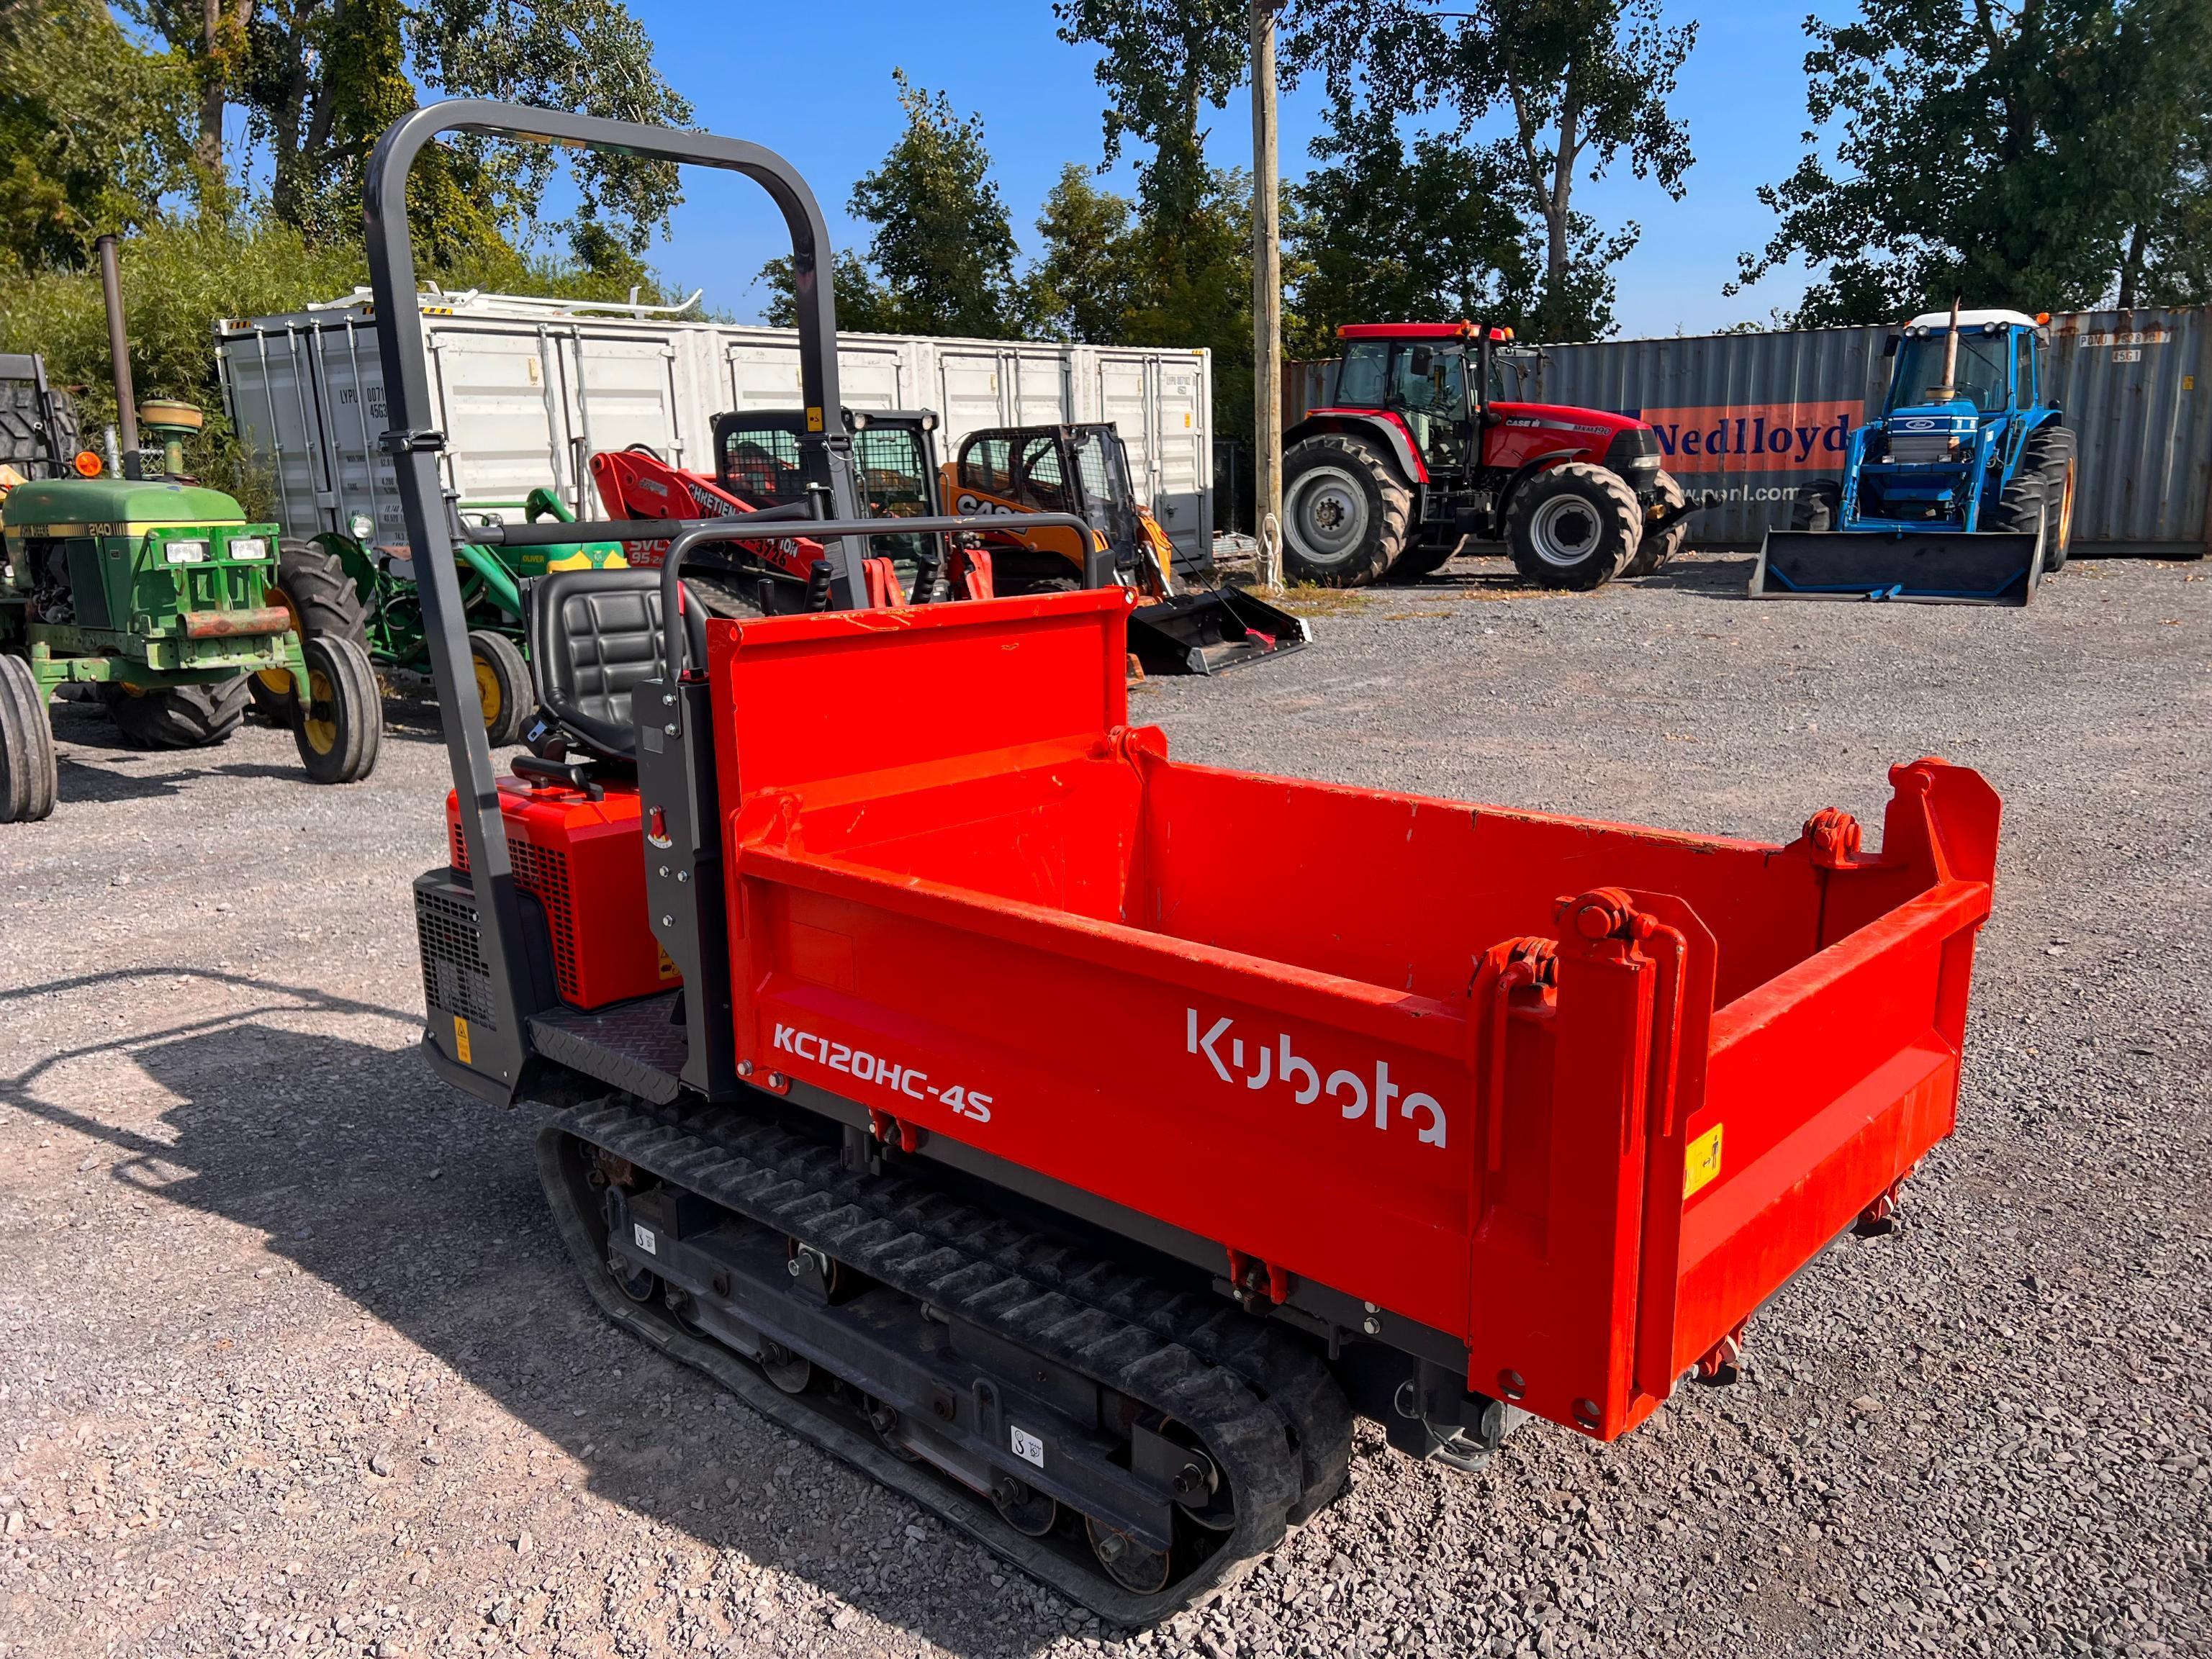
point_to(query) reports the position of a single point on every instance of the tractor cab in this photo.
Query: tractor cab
(1439, 379)
(760, 459)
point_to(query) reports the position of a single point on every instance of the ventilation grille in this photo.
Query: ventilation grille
(454, 978)
(1920, 449)
(542, 872)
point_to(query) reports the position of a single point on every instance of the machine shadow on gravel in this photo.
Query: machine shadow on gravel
(421, 1206)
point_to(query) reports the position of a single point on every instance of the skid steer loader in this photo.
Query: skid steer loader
(1085, 469)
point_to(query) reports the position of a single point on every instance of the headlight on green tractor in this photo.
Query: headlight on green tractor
(248, 547)
(182, 551)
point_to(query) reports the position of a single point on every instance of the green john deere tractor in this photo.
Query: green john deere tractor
(156, 595)
(348, 583)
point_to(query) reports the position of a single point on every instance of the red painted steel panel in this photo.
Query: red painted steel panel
(1580, 1094)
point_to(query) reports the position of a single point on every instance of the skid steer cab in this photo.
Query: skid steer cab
(1961, 493)
(1084, 469)
(1422, 448)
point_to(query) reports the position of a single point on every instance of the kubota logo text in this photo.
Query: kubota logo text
(1350, 1092)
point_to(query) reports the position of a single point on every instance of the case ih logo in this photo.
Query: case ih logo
(1756, 437)
(1273, 1062)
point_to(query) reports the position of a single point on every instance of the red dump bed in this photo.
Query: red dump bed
(1578, 1094)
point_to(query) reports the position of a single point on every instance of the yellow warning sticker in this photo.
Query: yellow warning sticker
(460, 1040)
(667, 964)
(1703, 1161)
(814, 417)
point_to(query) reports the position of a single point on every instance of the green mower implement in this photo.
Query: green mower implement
(156, 595)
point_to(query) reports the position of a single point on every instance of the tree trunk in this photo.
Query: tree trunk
(222, 45)
(1557, 202)
(2131, 265)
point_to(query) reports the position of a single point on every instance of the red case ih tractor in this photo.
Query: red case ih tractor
(1419, 450)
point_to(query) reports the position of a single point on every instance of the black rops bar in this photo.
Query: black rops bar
(558, 532)
(700, 532)
(499, 1047)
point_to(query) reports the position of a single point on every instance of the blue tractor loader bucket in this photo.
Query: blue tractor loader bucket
(1923, 568)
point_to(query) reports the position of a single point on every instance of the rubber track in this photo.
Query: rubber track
(1246, 1387)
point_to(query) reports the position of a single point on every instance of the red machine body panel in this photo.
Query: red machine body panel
(1517, 434)
(637, 484)
(584, 861)
(1582, 1095)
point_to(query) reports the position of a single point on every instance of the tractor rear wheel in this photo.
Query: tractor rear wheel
(1818, 505)
(176, 716)
(503, 686)
(342, 727)
(1575, 526)
(2052, 455)
(27, 767)
(1655, 548)
(311, 582)
(1346, 512)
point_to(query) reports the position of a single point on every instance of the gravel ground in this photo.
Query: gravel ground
(291, 1362)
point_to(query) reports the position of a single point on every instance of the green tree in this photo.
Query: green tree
(1189, 255)
(941, 258)
(92, 131)
(1383, 232)
(1080, 289)
(2047, 156)
(1579, 84)
(320, 79)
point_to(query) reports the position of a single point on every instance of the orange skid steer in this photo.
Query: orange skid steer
(1085, 470)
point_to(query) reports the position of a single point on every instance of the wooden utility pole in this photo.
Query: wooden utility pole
(1266, 304)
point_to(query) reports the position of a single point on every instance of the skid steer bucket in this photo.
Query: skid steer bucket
(1207, 630)
(1924, 568)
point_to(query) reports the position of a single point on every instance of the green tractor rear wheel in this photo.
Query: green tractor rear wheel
(503, 686)
(27, 768)
(341, 729)
(176, 716)
(311, 582)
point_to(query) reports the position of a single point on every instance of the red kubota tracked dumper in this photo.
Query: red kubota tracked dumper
(907, 1077)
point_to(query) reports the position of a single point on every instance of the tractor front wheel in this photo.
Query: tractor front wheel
(1656, 547)
(28, 771)
(2051, 456)
(176, 716)
(1346, 512)
(503, 687)
(1575, 526)
(2022, 507)
(341, 727)
(310, 581)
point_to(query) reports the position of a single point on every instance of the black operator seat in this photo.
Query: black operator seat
(595, 636)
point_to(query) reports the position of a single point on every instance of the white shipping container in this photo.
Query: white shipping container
(526, 391)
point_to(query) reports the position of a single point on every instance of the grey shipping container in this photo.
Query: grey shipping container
(1756, 416)
(527, 389)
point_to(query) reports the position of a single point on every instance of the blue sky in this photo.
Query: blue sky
(815, 82)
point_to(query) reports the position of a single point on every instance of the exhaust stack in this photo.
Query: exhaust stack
(119, 349)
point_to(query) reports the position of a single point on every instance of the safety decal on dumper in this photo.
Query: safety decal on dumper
(1702, 1162)
(1351, 1092)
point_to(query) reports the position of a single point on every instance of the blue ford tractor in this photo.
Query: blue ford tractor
(1961, 493)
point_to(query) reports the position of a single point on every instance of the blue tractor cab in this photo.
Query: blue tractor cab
(1962, 492)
